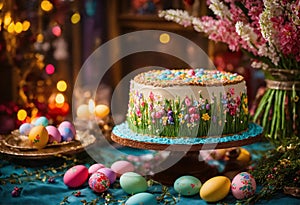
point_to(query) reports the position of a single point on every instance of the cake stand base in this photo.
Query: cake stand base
(189, 164)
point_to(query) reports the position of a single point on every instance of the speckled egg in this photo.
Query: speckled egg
(98, 182)
(95, 167)
(187, 185)
(25, 128)
(243, 185)
(54, 134)
(41, 121)
(76, 176)
(133, 183)
(141, 198)
(67, 131)
(215, 189)
(111, 175)
(38, 136)
(122, 166)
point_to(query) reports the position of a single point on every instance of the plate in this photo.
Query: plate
(9, 145)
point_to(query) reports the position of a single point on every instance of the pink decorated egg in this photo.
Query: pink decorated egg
(54, 134)
(38, 136)
(111, 175)
(243, 186)
(121, 167)
(95, 167)
(76, 176)
(98, 182)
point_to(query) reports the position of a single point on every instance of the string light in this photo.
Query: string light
(18, 27)
(26, 25)
(56, 30)
(40, 38)
(11, 27)
(60, 98)
(7, 19)
(61, 86)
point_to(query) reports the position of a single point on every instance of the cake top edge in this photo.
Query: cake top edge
(181, 77)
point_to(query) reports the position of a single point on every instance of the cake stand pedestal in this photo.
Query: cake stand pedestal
(186, 156)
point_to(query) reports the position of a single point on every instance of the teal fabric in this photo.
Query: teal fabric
(39, 192)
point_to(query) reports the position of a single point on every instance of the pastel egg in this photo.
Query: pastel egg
(215, 189)
(25, 128)
(54, 134)
(68, 125)
(111, 175)
(102, 111)
(244, 156)
(41, 121)
(66, 134)
(38, 136)
(83, 111)
(187, 185)
(243, 185)
(141, 198)
(95, 167)
(76, 176)
(122, 166)
(133, 183)
(98, 182)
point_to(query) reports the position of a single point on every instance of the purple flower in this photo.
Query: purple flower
(207, 106)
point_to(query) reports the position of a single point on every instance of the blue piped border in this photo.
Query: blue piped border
(122, 130)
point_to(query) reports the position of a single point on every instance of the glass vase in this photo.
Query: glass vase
(278, 111)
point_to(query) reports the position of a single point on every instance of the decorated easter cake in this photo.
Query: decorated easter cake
(187, 103)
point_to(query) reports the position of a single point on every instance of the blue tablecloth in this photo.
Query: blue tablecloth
(37, 189)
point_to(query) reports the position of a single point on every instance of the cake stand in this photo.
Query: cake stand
(185, 149)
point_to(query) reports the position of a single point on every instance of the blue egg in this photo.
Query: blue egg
(66, 134)
(141, 198)
(41, 121)
(25, 128)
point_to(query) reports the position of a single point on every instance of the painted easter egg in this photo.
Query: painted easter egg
(25, 128)
(54, 134)
(111, 175)
(98, 182)
(69, 125)
(215, 189)
(76, 176)
(95, 167)
(187, 185)
(102, 111)
(141, 198)
(133, 183)
(243, 185)
(38, 136)
(41, 121)
(122, 166)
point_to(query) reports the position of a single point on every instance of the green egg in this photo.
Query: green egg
(141, 198)
(187, 185)
(133, 183)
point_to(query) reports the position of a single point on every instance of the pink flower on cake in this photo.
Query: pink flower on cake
(151, 96)
(187, 101)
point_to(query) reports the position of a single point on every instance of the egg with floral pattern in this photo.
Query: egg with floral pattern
(243, 185)
(99, 182)
(187, 185)
(38, 136)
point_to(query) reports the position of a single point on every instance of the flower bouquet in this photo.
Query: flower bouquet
(269, 32)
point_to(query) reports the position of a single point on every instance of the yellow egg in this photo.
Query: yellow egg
(38, 136)
(102, 111)
(83, 111)
(215, 189)
(244, 156)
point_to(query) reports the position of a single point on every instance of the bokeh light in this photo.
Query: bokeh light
(18, 27)
(61, 85)
(164, 38)
(75, 18)
(50, 69)
(26, 25)
(22, 114)
(46, 5)
(56, 30)
(60, 98)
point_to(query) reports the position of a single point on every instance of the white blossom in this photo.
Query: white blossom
(246, 32)
(219, 9)
(179, 16)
